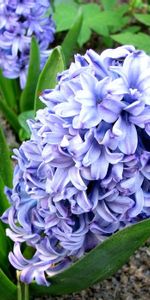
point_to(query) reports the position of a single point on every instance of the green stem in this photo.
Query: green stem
(19, 291)
(22, 290)
(26, 292)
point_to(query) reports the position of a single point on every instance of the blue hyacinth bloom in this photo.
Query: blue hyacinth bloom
(85, 172)
(20, 20)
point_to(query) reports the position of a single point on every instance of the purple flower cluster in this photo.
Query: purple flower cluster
(19, 21)
(85, 172)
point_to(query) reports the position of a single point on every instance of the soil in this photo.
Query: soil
(132, 282)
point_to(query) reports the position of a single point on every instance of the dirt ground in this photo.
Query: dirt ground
(132, 282)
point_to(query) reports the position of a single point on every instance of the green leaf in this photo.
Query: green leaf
(5, 161)
(66, 2)
(22, 118)
(110, 18)
(143, 18)
(10, 116)
(4, 249)
(120, 20)
(139, 40)
(132, 29)
(122, 9)
(99, 21)
(85, 35)
(28, 94)
(99, 263)
(24, 132)
(70, 40)
(136, 4)
(109, 4)
(100, 29)
(47, 78)
(8, 90)
(65, 15)
(8, 290)
(3, 199)
(90, 12)
(108, 42)
(23, 135)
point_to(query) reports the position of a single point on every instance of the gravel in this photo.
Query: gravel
(132, 282)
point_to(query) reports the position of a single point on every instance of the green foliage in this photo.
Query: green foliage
(110, 20)
(27, 97)
(132, 29)
(3, 199)
(136, 4)
(8, 290)
(70, 40)
(91, 13)
(48, 76)
(94, 19)
(65, 15)
(8, 91)
(10, 115)
(4, 246)
(24, 132)
(139, 40)
(5, 162)
(9, 95)
(99, 263)
(145, 19)
(107, 21)
(108, 4)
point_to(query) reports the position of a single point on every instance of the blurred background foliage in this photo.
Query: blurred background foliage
(106, 22)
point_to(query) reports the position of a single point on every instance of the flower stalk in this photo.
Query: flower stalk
(22, 291)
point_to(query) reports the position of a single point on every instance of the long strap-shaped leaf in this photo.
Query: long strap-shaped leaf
(99, 263)
(47, 78)
(70, 41)
(27, 97)
(5, 161)
(3, 199)
(8, 291)
(9, 90)
(9, 114)
(4, 249)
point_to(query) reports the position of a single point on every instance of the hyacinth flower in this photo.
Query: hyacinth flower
(84, 173)
(20, 20)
